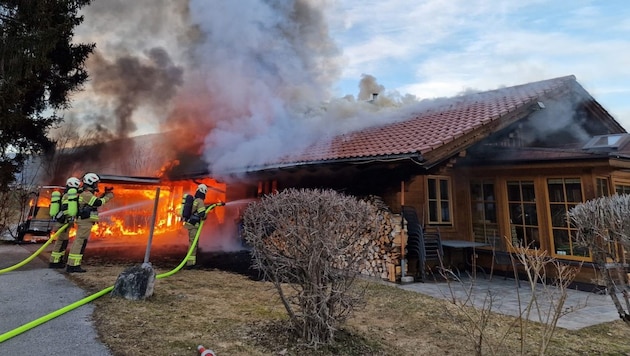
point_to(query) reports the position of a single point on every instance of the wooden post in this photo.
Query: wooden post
(147, 253)
(403, 265)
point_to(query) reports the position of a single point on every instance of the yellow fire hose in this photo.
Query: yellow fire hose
(9, 334)
(31, 257)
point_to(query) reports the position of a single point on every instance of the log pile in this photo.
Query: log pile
(384, 250)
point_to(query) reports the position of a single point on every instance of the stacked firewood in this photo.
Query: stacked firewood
(384, 250)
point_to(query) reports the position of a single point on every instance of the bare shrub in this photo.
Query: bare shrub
(549, 280)
(472, 308)
(308, 244)
(603, 226)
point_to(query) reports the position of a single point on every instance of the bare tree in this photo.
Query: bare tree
(14, 203)
(603, 226)
(307, 243)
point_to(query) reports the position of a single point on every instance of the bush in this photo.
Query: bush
(309, 244)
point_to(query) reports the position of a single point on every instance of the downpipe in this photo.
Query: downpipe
(9, 334)
(31, 257)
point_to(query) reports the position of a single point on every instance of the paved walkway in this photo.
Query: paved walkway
(582, 308)
(34, 291)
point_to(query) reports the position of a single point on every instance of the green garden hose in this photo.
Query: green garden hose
(30, 258)
(58, 312)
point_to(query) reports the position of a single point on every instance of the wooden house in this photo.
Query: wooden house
(490, 167)
(484, 167)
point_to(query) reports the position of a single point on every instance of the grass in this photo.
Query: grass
(233, 314)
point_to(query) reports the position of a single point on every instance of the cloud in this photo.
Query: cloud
(447, 47)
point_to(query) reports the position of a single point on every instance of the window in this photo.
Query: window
(607, 142)
(439, 193)
(622, 189)
(484, 212)
(601, 184)
(523, 214)
(564, 194)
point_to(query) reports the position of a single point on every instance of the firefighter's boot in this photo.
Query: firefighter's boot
(56, 265)
(75, 269)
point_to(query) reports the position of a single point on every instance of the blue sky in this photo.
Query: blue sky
(439, 48)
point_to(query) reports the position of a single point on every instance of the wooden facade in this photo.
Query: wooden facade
(511, 178)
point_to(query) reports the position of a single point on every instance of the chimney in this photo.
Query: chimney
(374, 95)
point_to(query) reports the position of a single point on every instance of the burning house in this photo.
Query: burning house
(480, 168)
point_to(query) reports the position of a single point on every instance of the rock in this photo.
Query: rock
(135, 283)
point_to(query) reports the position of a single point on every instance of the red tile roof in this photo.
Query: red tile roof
(449, 120)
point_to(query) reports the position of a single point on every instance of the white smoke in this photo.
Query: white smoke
(251, 80)
(269, 67)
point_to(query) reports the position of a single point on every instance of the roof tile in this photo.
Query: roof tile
(431, 128)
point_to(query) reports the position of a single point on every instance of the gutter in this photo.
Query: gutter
(414, 157)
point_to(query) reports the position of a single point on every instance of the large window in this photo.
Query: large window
(564, 194)
(484, 212)
(523, 214)
(440, 207)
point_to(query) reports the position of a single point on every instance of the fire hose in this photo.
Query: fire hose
(9, 334)
(31, 257)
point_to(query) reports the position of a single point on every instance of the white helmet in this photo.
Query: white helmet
(202, 188)
(91, 178)
(73, 182)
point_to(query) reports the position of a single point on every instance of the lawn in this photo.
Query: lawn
(234, 314)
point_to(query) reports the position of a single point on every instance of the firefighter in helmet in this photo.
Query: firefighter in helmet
(198, 213)
(65, 214)
(87, 216)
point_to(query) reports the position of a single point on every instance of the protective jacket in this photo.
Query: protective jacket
(198, 212)
(89, 204)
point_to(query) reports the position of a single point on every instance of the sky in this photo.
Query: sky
(438, 48)
(251, 80)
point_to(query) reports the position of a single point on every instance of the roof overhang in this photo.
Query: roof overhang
(415, 158)
(116, 179)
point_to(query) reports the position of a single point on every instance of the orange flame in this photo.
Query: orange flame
(130, 213)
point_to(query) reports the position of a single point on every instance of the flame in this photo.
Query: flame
(167, 167)
(129, 214)
(43, 201)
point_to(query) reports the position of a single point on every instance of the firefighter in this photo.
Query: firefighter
(66, 215)
(198, 213)
(87, 217)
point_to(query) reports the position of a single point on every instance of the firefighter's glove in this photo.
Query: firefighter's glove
(203, 215)
(109, 189)
(107, 196)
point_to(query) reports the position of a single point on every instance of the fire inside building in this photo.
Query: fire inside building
(125, 222)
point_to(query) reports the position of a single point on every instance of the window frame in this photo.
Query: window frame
(600, 190)
(486, 225)
(566, 205)
(439, 200)
(523, 225)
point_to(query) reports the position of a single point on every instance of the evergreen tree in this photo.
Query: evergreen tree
(39, 68)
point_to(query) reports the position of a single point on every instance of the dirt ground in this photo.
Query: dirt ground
(227, 309)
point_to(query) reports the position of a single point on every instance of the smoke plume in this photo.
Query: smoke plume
(239, 83)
